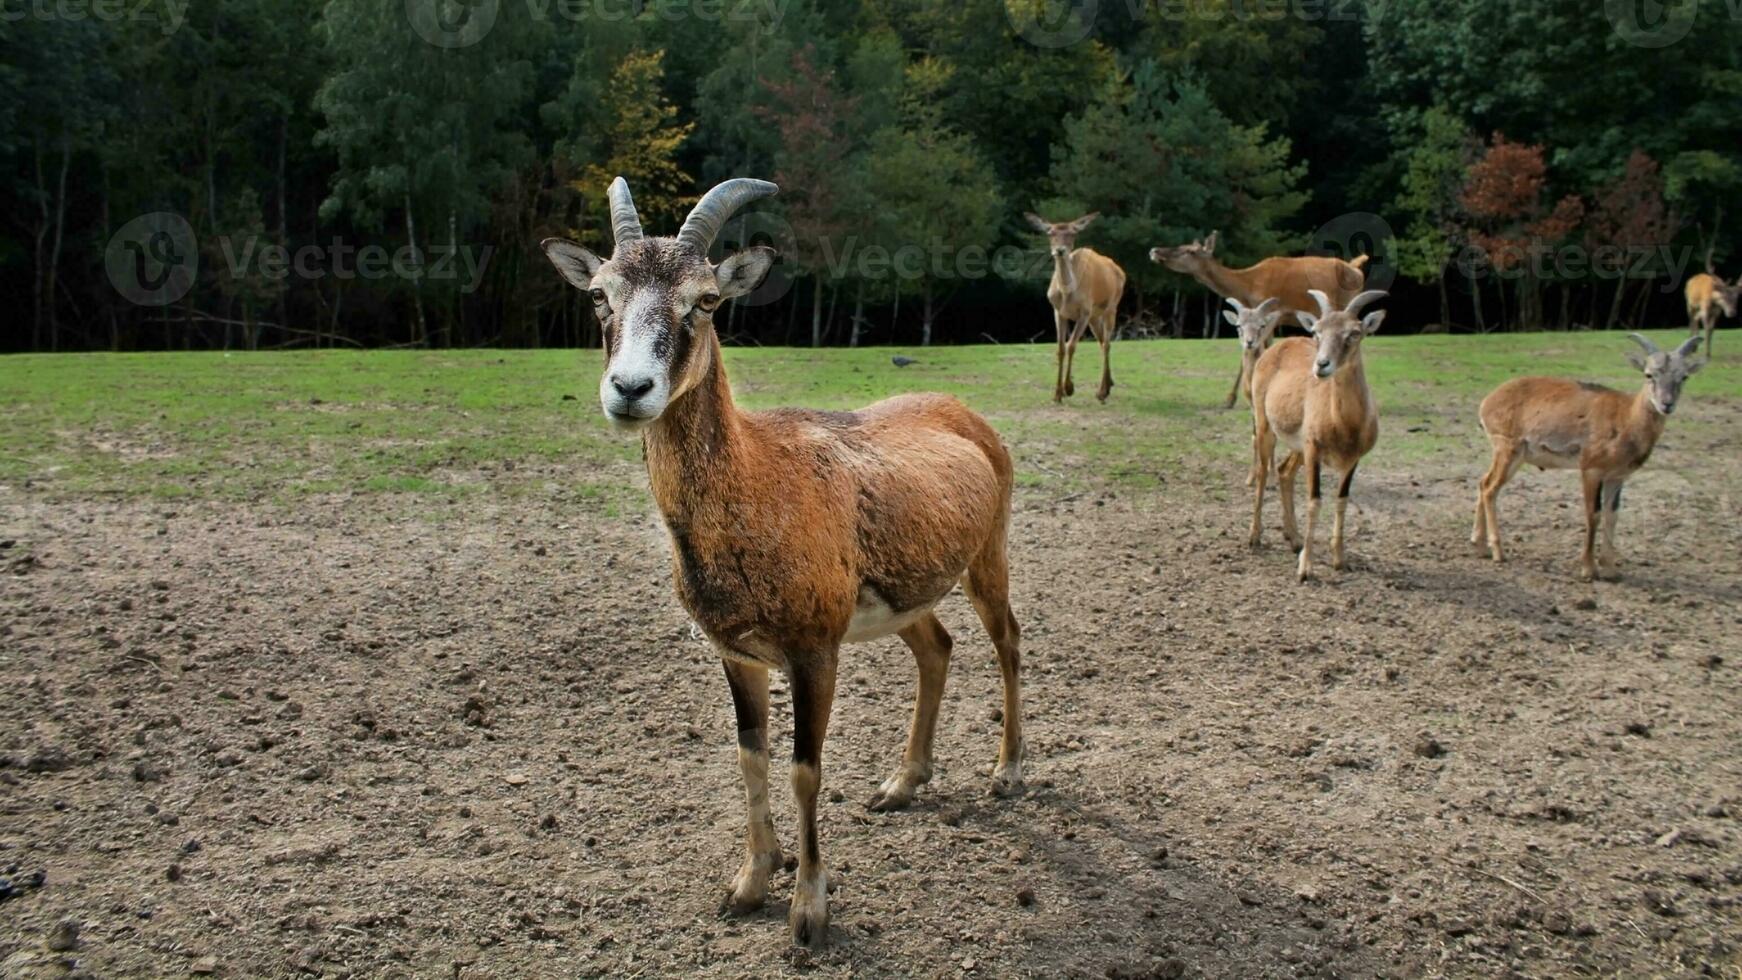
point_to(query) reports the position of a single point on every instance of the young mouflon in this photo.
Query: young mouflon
(794, 532)
(1605, 434)
(1311, 395)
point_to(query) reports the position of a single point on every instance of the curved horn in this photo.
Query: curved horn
(625, 224)
(1266, 306)
(1323, 301)
(1354, 307)
(1688, 346)
(716, 206)
(1238, 308)
(1645, 342)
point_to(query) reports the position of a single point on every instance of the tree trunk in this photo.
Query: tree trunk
(60, 216)
(1445, 306)
(1615, 306)
(858, 315)
(284, 229)
(40, 271)
(895, 317)
(453, 294)
(829, 321)
(925, 324)
(421, 326)
(1476, 303)
(817, 313)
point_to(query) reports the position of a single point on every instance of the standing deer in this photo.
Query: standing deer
(1312, 396)
(794, 532)
(1086, 288)
(1256, 327)
(1706, 295)
(1559, 424)
(1288, 280)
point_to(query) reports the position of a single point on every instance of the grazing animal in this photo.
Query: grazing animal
(1606, 434)
(793, 532)
(1255, 326)
(1086, 288)
(1312, 396)
(1707, 295)
(1288, 280)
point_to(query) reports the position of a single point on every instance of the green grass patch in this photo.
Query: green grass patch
(449, 424)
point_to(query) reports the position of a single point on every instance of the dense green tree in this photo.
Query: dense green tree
(1435, 160)
(1163, 164)
(938, 206)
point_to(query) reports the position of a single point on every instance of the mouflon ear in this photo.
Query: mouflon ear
(1308, 322)
(576, 264)
(1231, 317)
(1370, 323)
(742, 272)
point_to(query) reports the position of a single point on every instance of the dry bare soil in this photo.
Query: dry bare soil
(379, 735)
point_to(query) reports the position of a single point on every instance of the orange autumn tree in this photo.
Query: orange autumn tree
(1512, 227)
(1629, 214)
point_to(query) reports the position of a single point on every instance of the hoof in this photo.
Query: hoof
(1070, 389)
(888, 800)
(809, 919)
(1007, 780)
(749, 889)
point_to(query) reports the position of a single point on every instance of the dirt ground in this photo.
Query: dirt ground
(351, 739)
